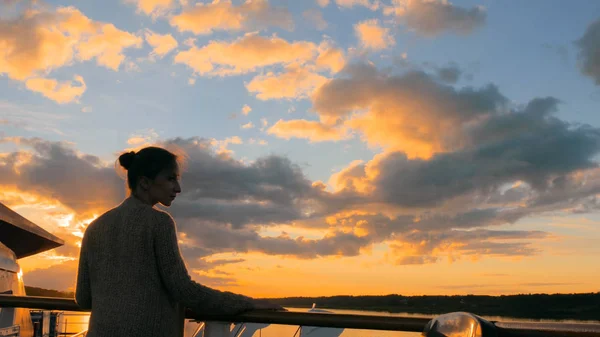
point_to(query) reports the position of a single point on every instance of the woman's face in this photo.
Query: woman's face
(165, 187)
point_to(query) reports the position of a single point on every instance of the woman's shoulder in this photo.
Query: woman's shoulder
(134, 210)
(103, 218)
(161, 216)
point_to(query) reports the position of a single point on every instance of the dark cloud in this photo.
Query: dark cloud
(236, 213)
(221, 189)
(207, 272)
(528, 145)
(271, 178)
(56, 170)
(216, 187)
(431, 18)
(449, 74)
(195, 254)
(214, 281)
(483, 146)
(416, 259)
(589, 51)
(221, 238)
(221, 196)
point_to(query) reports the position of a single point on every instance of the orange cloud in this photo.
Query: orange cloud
(372, 36)
(395, 132)
(353, 177)
(311, 130)
(223, 15)
(162, 43)
(107, 46)
(419, 247)
(411, 112)
(246, 109)
(135, 140)
(223, 58)
(221, 146)
(76, 23)
(63, 92)
(153, 8)
(299, 80)
(144, 138)
(330, 57)
(36, 43)
(296, 82)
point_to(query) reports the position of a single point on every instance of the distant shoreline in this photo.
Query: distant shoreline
(580, 306)
(583, 306)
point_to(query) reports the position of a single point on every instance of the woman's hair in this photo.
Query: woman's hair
(147, 162)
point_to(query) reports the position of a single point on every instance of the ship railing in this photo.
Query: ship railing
(446, 325)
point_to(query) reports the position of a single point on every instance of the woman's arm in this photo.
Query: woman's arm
(199, 298)
(83, 293)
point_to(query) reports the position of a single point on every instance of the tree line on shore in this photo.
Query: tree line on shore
(583, 306)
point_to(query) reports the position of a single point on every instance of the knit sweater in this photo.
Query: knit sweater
(133, 278)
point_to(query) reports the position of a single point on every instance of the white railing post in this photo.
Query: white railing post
(217, 329)
(45, 323)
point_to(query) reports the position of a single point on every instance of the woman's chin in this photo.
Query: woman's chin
(166, 203)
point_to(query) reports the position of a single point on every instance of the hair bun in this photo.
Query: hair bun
(126, 159)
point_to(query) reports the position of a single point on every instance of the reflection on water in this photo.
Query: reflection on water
(76, 322)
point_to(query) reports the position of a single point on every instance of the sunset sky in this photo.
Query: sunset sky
(334, 146)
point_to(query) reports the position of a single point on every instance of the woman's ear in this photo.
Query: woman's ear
(144, 183)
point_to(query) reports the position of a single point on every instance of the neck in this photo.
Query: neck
(143, 197)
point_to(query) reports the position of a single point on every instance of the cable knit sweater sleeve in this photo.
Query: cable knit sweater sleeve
(198, 298)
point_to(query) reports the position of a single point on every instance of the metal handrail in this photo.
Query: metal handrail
(367, 322)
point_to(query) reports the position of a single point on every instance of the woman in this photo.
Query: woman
(131, 273)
